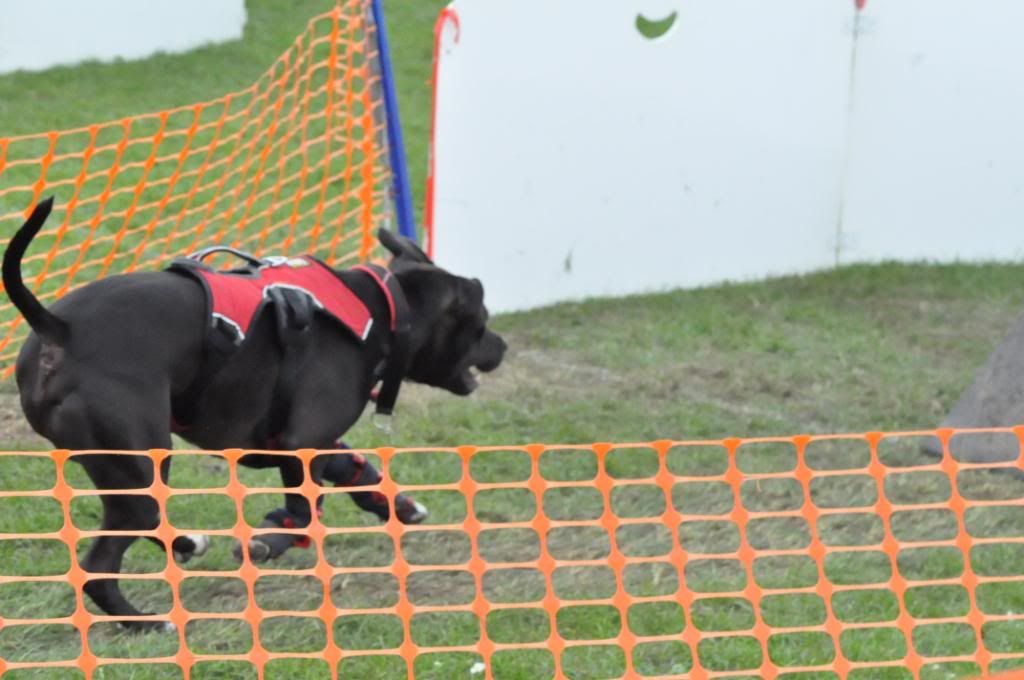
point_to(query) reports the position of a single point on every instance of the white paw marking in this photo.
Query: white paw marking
(421, 512)
(201, 542)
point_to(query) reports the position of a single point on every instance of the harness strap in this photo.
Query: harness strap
(183, 409)
(398, 357)
(294, 315)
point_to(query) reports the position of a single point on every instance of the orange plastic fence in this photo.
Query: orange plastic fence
(851, 554)
(295, 163)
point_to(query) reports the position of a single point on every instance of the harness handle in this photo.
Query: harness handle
(200, 255)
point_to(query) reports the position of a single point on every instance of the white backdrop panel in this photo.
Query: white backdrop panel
(577, 158)
(937, 159)
(39, 34)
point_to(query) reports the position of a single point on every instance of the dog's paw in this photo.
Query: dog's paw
(410, 511)
(201, 542)
(193, 545)
(259, 551)
(147, 626)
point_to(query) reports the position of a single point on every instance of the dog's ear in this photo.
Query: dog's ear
(401, 247)
(470, 293)
(426, 282)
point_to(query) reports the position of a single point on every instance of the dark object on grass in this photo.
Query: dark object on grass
(994, 399)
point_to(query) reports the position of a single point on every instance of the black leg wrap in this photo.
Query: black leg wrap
(287, 520)
(268, 546)
(352, 469)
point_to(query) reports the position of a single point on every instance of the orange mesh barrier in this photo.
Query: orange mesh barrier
(297, 163)
(850, 554)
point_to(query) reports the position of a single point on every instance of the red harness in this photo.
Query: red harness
(235, 297)
(295, 288)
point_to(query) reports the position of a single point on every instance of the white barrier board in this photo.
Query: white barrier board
(576, 158)
(937, 152)
(39, 34)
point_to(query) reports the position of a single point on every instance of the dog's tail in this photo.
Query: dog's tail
(46, 324)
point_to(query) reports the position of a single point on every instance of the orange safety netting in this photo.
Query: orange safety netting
(297, 163)
(851, 554)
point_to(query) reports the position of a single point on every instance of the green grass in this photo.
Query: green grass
(71, 97)
(776, 357)
(862, 348)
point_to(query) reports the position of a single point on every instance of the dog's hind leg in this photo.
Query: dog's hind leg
(183, 548)
(114, 427)
(120, 513)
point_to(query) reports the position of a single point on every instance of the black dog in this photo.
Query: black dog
(113, 364)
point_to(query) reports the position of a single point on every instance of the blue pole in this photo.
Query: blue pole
(396, 147)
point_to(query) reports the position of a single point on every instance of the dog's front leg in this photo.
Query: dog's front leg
(341, 469)
(295, 515)
(352, 469)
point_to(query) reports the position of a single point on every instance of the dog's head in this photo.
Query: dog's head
(450, 339)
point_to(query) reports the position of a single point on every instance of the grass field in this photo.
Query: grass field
(71, 97)
(884, 347)
(713, 363)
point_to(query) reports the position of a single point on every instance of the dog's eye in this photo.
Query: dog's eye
(480, 332)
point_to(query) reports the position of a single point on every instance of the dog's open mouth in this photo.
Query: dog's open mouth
(467, 382)
(486, 358)
(462, 383)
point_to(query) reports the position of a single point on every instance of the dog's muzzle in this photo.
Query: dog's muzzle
(492, 352)
(489, 353)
